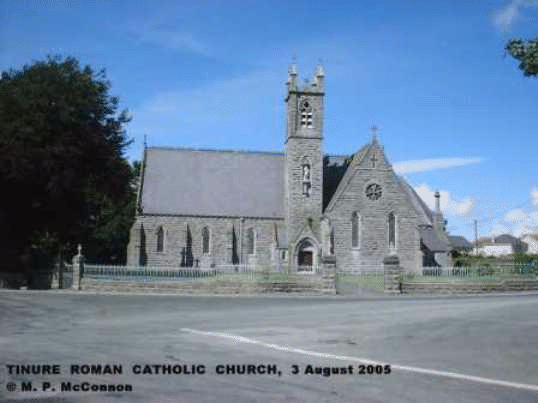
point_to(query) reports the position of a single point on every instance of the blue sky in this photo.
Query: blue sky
(454, 111)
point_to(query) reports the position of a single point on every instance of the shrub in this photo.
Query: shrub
(485, 270)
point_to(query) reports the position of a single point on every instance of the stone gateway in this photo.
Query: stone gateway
(283, 210)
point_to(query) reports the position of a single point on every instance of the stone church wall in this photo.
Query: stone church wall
(373, 227)
(220, 245)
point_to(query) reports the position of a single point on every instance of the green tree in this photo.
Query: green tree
(526, 53)
(62, 165)
(108, 234)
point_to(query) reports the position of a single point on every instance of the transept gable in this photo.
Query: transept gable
(369, 161)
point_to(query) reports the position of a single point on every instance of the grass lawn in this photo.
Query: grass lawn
(374, 281)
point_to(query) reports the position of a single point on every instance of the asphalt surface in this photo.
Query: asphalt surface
(453, 349)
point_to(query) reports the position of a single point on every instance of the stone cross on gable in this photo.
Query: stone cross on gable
(374, 129)
(373, 159)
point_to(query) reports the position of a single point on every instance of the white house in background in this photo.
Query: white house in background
(501, 245)
(532, 243)
(496, 249)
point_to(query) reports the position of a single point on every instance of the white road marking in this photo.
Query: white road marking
(472, 378)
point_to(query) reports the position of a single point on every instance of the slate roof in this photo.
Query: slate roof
(334, 168)
(220, 182)
(187, 181)
(432, 240)
(458, 242)
(423, 211)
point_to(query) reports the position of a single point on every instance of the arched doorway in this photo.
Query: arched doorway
(306, 255)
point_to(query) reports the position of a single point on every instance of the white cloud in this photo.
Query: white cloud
(507, 16)
(407, 167)
(499, 229)
(528, 225)
(515, 216)
(534, 196)
(450, 205)
(164, 31)
(182, 41)
(518, 222)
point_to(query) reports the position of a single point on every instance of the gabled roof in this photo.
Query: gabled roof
(424, 213)
(346, 175)
(506, 238)
(187, 181)
(431, 238)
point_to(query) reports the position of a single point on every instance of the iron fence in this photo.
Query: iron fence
(171, 273)
(484, 272)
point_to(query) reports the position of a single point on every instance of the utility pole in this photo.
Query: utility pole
(476, 236)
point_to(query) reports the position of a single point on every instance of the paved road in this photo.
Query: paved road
(473, 349)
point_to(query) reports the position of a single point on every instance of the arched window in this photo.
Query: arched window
(250, 241)
(355, 222)
(306, 175)
(160, 239)
(235, 255)
(143, 257)
(205, 240)
(392, 231)
(331, 243)
(306, 113)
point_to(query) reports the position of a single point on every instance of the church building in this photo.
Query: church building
(283, 210)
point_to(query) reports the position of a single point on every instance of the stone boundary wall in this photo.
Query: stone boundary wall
(321, 283)
(215, 288)
(469, 288)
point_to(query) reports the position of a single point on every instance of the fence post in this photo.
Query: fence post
(56, 281)
(78, 261)
(328, 274)
(392, 271)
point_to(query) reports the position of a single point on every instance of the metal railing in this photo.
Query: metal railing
(307, 269)
(474, 273)
(169, 273)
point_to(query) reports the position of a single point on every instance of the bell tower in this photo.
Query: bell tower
(304, 153)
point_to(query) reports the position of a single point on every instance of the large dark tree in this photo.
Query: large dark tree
(526, 53)
(63, 175)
